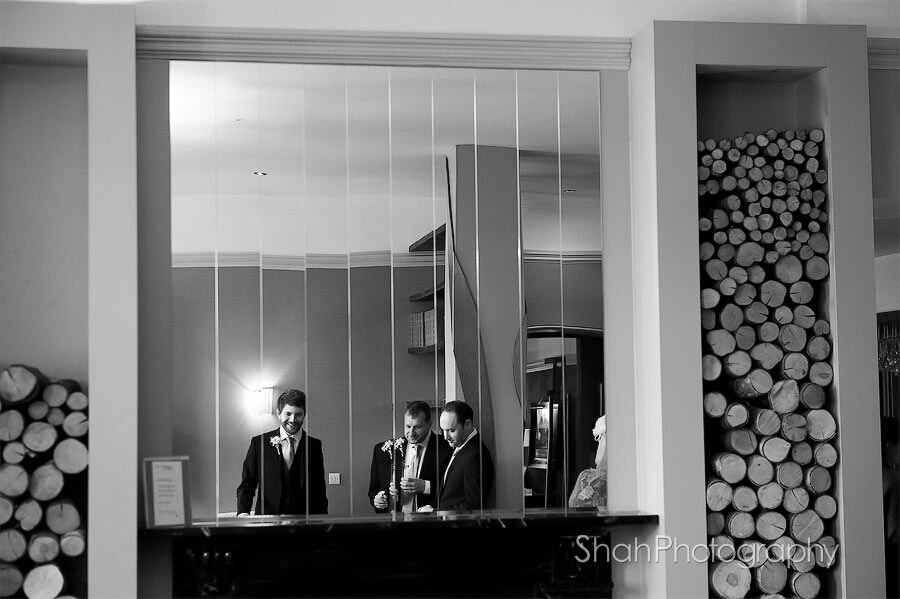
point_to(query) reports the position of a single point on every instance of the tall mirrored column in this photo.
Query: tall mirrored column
(194, 302)
(327, 273)
(371, 334)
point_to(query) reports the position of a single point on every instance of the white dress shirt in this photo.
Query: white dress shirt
(409, 456)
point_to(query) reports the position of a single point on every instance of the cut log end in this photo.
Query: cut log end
(39, 436)
(12, 423)
(29, 514)
(736, 414)
(13, 480)
(77, 401)
(757, 382)
(730, 580)
(56, 394)
(46, 482)
(759, 470)
(62, 517)
(70, 456)
(770, 525)
(43, 547)
(771, 576)
(7, 508)
(20, 384)
(10, 580)
(75, 424)
(13, 545)
(806, 527)
(805, 585)
(730, 467)
(714, 404)
(44, 582)
(718, 495)
(73, 543)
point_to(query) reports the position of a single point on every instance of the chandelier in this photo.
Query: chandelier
(889, 348)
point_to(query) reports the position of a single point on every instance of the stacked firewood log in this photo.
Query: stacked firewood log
(770, 432)
(43, 484)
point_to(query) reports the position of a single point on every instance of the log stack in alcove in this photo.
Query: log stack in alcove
(770, 429)
(43, 491)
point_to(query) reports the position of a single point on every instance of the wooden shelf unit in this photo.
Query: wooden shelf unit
(429, 294)
(433, 241)
(427, 349)
(427, 242)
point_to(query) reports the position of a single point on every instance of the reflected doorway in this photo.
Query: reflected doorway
(564, 393)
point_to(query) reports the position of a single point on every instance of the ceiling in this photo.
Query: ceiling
(355, 156)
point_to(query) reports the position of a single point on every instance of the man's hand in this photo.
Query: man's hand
(394, 494)
(381, 501)
(412, 485)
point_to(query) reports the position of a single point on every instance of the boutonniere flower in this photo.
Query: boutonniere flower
(276, 443)
(397, 444)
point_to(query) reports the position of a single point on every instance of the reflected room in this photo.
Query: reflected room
(387, 240)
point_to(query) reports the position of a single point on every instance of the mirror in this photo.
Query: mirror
(377, 236)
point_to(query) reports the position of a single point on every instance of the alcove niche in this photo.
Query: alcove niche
(761, 132)
(717, 81)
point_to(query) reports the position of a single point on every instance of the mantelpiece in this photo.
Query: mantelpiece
(495, 553)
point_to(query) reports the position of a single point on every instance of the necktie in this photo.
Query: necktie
(411, 470)
(289, 459)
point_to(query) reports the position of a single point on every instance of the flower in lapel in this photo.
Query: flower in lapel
(276, 443)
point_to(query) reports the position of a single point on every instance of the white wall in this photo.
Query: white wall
(623, 440)
(887, 283)
(43, 218)
(608, 18)
(667, 335)
(884, 106)
(154, 302)
(106, 33)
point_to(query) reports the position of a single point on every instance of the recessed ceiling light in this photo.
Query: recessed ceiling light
(260, 173)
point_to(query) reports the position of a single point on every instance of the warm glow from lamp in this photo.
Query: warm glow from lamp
(261, 400)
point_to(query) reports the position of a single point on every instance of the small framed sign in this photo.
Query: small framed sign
(167, 491)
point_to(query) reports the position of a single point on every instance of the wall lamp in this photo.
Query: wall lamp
(261, 400)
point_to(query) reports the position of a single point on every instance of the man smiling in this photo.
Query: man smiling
(425, 456)
(469, 478)
(277, 462)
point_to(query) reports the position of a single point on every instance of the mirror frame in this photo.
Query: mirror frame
(610, 57)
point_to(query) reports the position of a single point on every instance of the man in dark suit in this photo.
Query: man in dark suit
(469, 478)
(421, 461)
(284, 466)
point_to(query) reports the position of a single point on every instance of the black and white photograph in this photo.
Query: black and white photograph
(395, 298)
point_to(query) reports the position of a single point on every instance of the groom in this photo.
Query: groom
(275, 469)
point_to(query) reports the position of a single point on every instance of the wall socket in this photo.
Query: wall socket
(334, 478)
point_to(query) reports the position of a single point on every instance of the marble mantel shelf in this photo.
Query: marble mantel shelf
(558, 519)
(508, 554)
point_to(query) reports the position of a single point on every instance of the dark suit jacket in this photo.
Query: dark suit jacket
(466, 486)
(277, 489)
(433, 465)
